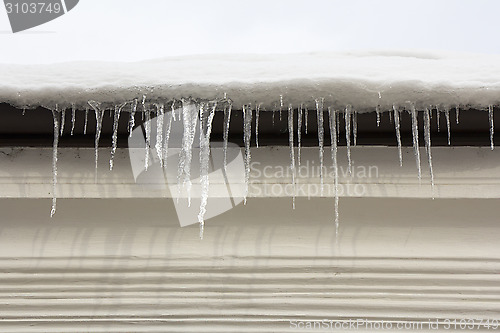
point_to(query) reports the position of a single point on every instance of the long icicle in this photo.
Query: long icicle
(147, 129)
(99, 114)
(114, 138)
(355, 127)
(347, 117)
(131, 122)
(377, 111)
(321, 141)
(427, 137)
(73, 118)
(166, 141)
(397, 125)
(189, 119)
(447, 115)
(247, 136)
(56, 114)
(86, 121)
(492, 126)
(438, 116)
(160, 112)
(457, 113)
(416, 148)
(292, 152)
(299, 133)
(63, 118)
(333, 147)
(207, 113)
(306, 117)
(227, 121)
(257, 111)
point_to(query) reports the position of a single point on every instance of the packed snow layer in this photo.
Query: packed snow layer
(364, 80)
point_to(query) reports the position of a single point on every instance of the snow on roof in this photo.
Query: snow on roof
(362, 79)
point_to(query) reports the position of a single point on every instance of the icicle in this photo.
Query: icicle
(338, 125)
(355, 127)
(299, 132)
(447, 115)
(147, 130)
(333, 147)
(24, 111)
(306, 117)
(274, 114)
(397, 125)
(159, 132)
(131, 122)
(281, 105)
(189, 119)
(347, 117)
(99, 114)
(390, 117)
(114, 138)
(206, 116)
(377, 110)
(457, 113)
(257, 110)
(492, 126)
(173, 110)
(292, 153)
(56, 114)
(321, 140)
(247, 136)
(73, 118)
(63, 116)
(166, 140)
(86, 121)
(416, 148)
(227, 120)
(427, 137)
(438, 115)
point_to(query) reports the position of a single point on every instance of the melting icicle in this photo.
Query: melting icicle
(438, 115)
(63, 116)
(73, 118)
(257, 110)
(159, 132)
(131, 122)
(427, 137)
(457, 113)
(333, 147)
(306, 116)
(189, 119)
(166, 140)
(338, 125)
(355, 127)
(274, 113)
(377, 111)
(299, 132)
(397, 125)
(227, 120)
(390, 117)
(99, 114)
(173, 110)
(86, 121)
(56, 115)
(447, 115)
(147, 130)
(281, 105)
(321, 140)
(416, 148)
(292, 153)
(492, 126)
(247, 136)
(347, 117)
(206, 116)
(114, 138)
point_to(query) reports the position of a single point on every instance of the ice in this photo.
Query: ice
(247, 136)
(492, 126)
(189, 119)
(427, 138)
(257, 111)
(347, 117)
(377, 111)
(414, 128)
(146, 113)
(397, 125)
(299, 132)
(438, 116)
(166, 140)
(306, 116)
(99, 114)
(292, 153)
(281, 105)
(160, 112)
(227, 121)
(207, 113)
(447, 115)
(63, 116)
(321, 140)
(338, 125)
(173, 111)
(457, 114)
(355, 127)
(73, 118)
(86, 121)
(56, 114)
(131, 122)
(333, 139)
(274, 114)
(114, 138)
(390, 117)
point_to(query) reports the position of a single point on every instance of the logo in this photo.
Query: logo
(26, 14)
(156, 168)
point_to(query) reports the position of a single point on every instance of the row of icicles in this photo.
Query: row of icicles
(191, 112)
